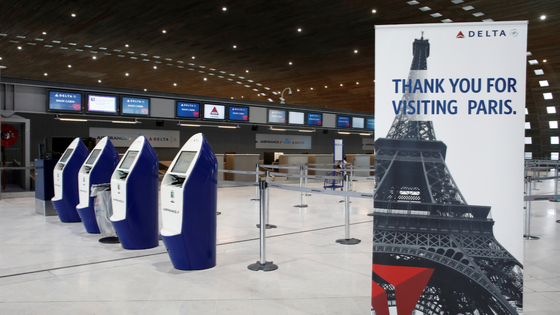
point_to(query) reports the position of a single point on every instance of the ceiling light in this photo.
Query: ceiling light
(247, 71)
(188, 125)
(413, 2)
(299, 29)
(543, 83)
(312, 89)
(242, 95)
(326, 86)
(539, 72)
(457, 1)
(86, 46)
(124, 122)
(343, 133)
(0, 58)
(224, 9)
(174, 84)
(487, 20)
(355, 51)
(19, 47)
(424, 9)
(99, 81)
(447, 21)
(234, 46)
(306, 130)
(544, 60)
(543, 17)
(227, 127)
(193, 57)
(73, 15)
(277, 129)
(547, 96)
(44, 33)
(373, 11)
(270, 100)
(290, 63)
(69, 66)
(74, 44)
(468, 8)
(266, 88)
(478, 14)
(533, 61)
(126, 74)
(341, 84)
(357, 82)
(551, 110)
(155, 67)
(365, 134)
(298, 90)
(164, 31)
(72, 119)
(93, 57)
(145, 90)
(205, 79)
(46, 74)
(436, 15)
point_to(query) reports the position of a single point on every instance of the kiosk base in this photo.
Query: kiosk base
(109, 240)
(88, 218)
(66, 212)
(348, 241)
(267, 266)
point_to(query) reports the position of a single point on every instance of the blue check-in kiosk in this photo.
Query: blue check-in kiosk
(134, 196)
(188, 204)
(65, 178)
(97, 169)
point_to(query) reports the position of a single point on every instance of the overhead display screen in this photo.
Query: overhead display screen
(370, 123)
(102, 104)
(276, 116)
(93, 156)
(66, 155)
(188, 110)
(135, 106)
(238, 113)
(358, 122)
(343, 121)
(128, 159)
(296, 118)
(314, 119)
(183, 162)
(65, 101)
(212, 111)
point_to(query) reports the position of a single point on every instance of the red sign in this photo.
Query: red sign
(9, 135)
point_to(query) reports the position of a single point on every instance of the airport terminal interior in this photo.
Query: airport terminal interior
(275, 84)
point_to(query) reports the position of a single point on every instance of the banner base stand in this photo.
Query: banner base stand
(109, 240)
(530, 237)
(267, 266)
(370, 214)
(301, 206)
(267, 226)
(348, 241)
(255, 199)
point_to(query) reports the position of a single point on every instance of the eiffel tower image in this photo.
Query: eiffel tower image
(433, 253)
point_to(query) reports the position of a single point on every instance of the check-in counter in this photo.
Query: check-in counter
(241, 162)
(220, 161)
(360, 161)
(291, 159)
(320, 159)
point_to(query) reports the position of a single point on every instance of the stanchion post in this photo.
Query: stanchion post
(527, 234)
(257, 188)
(262, 264)
(306, 173)
(347, 240)
(301, 205)
(555, 185)
(266, 202)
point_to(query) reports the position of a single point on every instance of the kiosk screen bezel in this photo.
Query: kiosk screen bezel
(183, 156)
(93, 156)
(66, 155)
(129, 159)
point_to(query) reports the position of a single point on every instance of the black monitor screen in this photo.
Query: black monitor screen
(188, 110)
(65, 101)
(343, 121)
(238, 113)
(314, 119)
(370, 123)
(66, 155)
(135, 106)
(276, 116)
(183, 162)
(102, 104)
(93, 156)
(128, 159)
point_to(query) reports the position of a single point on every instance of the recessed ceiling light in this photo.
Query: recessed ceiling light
(94, 57)
(232, 97)
(126, 74)
(174, 84)
(373, 11)
(543, 83)
(533, 61)
(447, 21)
(326, 86)
(468, 8)
(311, 88)
(44, 33)
(164, 31)
(145, 90)
(341, 84)
(224, 9)
(357, 82)
(73, 15)
(529, 53)
(46, 74)
(544, 60)
(69, 66)
(436, 15)
(126, 45)
(290, 63)
(299, 29)
(539, 72)
(487, 20)
(547, 96)
(478, 14)
(247, 71)
(413, 2)
(234, 46)
(155, 67)
(99, 81)
(457, 1)
(0, 58)
(205, 79)
(426, 8)
(298, 90)
(193, 57)
(355, 51)
(543, 17)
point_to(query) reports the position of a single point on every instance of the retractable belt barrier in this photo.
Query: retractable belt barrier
(283, 166)
(324, 191)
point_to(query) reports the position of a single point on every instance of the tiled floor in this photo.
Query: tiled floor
(49, 267)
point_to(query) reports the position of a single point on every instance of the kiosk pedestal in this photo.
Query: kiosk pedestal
(65, 176)
(188, 201)
(97, 169)
(134, 190)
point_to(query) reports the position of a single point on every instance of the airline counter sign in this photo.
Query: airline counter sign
(266, 141)
(125, 137)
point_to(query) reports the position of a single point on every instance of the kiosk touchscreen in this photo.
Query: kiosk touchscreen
(65, 177)
(134, 194)
(97, 169)
(188, 202)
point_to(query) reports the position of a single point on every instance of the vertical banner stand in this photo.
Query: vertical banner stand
(256, 188)
(527, 234)
(262, 264)
(347, 240)
(265, 196)
(301, 205)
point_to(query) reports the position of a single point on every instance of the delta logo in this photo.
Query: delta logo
(487, 33)
(214, 112)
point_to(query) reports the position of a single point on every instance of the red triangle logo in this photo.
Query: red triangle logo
(460, 35)
(214, 111)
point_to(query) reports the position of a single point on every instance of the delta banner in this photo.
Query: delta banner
(123, 137)
(448, 202)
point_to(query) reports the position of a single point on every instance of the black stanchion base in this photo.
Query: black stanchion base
(267, 226)
(267, 266)
(348, 241)
(370, 214)
(255, 199)
(557, 221)
(110, 240)
(307, 195)
(341, 201)
(301, 206)
(218, 213)
(554, 200)
(530, 237)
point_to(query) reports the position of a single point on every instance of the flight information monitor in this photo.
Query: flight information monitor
(128, 159)
(212, 111)
(65, 101)
(188, 110)
(296, 118)
(105, 104)
(238, 113)
(358, 122)
(93, 156)
(135, 106)
(370, 123)
(314, 119)
(343, 121)
(66, 155)
(276, 116)
(183, 162)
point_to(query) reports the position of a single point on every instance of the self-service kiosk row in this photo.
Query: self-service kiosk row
(188, 197)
